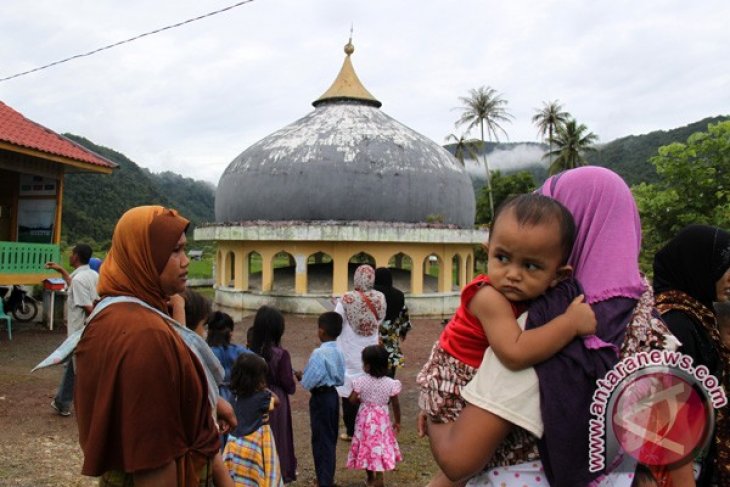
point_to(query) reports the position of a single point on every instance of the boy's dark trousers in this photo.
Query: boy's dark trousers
(324, 419)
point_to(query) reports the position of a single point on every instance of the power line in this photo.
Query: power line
(157, 31)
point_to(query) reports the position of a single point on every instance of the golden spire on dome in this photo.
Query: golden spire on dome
(347, 85)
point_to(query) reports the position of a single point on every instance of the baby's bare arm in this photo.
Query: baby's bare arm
(518, 349)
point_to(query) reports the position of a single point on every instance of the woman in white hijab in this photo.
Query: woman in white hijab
(362, 311)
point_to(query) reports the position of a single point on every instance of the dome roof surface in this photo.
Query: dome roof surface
(346, 161)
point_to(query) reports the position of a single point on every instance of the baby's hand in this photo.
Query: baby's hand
(396, 428)
(582, 316)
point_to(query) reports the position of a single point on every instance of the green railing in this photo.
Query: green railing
(27, 258)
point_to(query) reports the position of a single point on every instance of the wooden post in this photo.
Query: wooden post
(59, 210)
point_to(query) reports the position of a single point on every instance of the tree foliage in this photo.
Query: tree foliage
(464, 148)
(485, 108)
(629, 156)
(548, 119)
(572, 140)
(693, 187)
(503, 186)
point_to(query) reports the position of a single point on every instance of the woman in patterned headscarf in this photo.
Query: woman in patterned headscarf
(691, 272)
(362, 312)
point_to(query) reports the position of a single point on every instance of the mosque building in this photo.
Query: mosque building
(346, 184)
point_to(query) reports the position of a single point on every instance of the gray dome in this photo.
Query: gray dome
(345, 161)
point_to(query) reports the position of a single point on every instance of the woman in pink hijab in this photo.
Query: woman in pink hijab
(362, 311)
(605, 262)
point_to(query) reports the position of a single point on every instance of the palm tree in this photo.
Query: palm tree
(571, 142)
(486, 108)
(465, 148)
(548, 119)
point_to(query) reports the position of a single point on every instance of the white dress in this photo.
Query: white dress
(351, 345)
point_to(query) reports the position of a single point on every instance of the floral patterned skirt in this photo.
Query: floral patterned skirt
(374, 446)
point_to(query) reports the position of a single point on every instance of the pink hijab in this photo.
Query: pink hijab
(607, 244)
(364, 307)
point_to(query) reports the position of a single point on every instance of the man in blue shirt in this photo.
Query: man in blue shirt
(324, 371)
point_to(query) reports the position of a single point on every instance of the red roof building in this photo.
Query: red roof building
(21, 135)
(33, 163)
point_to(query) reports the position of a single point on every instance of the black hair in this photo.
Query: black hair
(383, 277)
(249, 372)
(533, 209)
(376, 358)
(197, 308)
(268, 328)
(83, 252)
(331, 323)
(220, 329)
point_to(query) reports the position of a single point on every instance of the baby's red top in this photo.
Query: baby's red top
(463, 337)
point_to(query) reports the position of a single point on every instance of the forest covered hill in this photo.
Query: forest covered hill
(629, 156)
(94, 202)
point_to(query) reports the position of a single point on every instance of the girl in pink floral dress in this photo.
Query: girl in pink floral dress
(374, 447)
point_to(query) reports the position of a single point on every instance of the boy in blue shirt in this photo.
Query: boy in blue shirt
(324, 371)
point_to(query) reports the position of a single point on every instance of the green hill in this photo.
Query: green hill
(94, 202)
(629, 156)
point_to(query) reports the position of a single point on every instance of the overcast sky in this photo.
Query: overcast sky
(191, 99)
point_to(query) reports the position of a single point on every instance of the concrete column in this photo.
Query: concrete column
(241, 269)
(445, 271)
(227, 268)
(219, 268)
(300, 274)
(267, 272)
(417, 274)
(339, 273)
(462, 271)
(469, 267)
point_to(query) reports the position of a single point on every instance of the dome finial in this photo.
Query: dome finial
(349, 48)
(347, 86)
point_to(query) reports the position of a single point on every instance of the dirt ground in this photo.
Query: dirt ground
(39, 448)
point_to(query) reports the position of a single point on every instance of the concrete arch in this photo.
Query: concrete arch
(456, 281)
(434, 268)
(229, 269)
(283, 280)
(320, 273)
(362, 257)
(254, 273)
(401, 266)
(219, 268)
